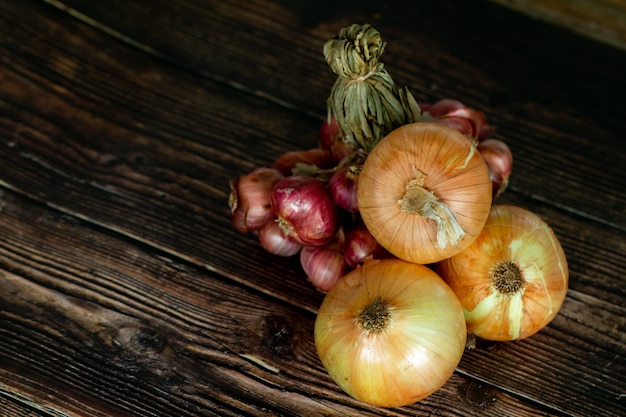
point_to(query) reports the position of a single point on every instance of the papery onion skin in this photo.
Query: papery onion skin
(454, 172)
(249, 199)
(274, 241)
(305, 210)
(360, 245)
(516, 235)
(499, 159)
(413, 355)
(457, 115)
(343, 187)
(303, 161)
(332, 140)
(323, 265)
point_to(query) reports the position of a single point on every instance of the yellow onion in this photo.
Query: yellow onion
(424, 192)
(390, 332)
(513, 279)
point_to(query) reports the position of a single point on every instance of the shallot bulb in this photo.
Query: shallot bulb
(274, 241)
(249, 199)
(343, 187)
(304, 162)
(324, 265)
(458, 116)
(331, 139)
(360, 245)
(499, 160)
(305, 210)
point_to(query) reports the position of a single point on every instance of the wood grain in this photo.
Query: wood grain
(602, 20)
(538, 95)
(125, 290)
(128, 330)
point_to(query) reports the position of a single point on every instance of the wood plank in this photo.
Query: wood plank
(176, 170)
(538, 94)
(132, 154)
(122, 146)
(44, 401)
(128, 330)
(602, 20)
(15, 406)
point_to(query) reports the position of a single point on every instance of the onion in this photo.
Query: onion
(324, 265)
(305, 210)
(499, 160)
(332, 140)
(274, 241)
(513, 279)
(462, 125)
(390, 333)
(249, 199)
(457, 115)
(303, 162)
(424, 193)
(343, 187)
(360, 245)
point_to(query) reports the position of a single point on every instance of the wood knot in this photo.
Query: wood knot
(142, 339)
(478, 394)
(278, 335)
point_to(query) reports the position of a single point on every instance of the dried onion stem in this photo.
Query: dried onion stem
(364, 99)
(419, 200)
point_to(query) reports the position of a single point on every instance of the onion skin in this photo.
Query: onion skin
(457, 115)
(413, 355)
(360, 245)
(511, 235)
(331, 139)
(303, 161)
(249, 199)
(274, 241)
(305, 210)
(453, 172)
(324, 265)
(499, 159)
(343, 187)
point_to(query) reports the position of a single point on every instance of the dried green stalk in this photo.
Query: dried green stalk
(364, 99)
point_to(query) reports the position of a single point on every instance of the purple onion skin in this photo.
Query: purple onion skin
(274, 241)
(289, 161)
(499, 159)
(323, 265)
(249, 199)
(359, 245)
(343, 188)
(305, 210)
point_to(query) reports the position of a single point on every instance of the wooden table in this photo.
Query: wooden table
(126, 291)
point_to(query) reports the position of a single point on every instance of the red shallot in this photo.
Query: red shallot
(249, 199)
(276, 242)
(343, 187)
(305, 210)
(324, 265)
(303, 162)
(360, 245)
(499, 160)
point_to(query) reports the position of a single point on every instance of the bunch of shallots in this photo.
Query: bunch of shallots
(392, 216)
(306, 202)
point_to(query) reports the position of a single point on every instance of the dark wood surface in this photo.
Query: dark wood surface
(602, 20)
(124, 288)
